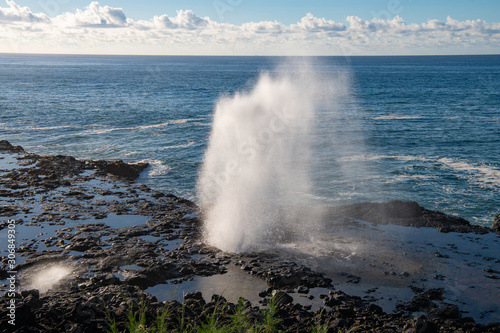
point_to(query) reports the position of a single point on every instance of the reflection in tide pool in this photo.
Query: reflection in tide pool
(232, 285)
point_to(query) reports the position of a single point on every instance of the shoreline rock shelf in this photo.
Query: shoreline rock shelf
(90, 242)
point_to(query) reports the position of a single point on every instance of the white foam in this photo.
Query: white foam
(371, 157)
(47, 128)
(185, 145)
(484, 174)
(396, 117)
(142, 127)
(156, 167)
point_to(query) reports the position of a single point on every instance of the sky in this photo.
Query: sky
(250, 27)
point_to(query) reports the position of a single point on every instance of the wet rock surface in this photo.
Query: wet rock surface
(408, 213)
(91, 242)
(496, 224)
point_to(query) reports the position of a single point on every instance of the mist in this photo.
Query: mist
(254, 186)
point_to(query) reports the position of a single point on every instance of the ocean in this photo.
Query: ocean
(421, 128)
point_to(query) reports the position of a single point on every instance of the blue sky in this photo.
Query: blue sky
(251, 27)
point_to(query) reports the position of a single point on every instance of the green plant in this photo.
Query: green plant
(215, 322)
(239, 319)
(111, 322)
(181, 320)
(270, 323)
(137, 325)
(354, 329)
(317, 327)
(161, 323)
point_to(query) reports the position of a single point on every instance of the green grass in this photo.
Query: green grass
(220, 319)
(318, 327)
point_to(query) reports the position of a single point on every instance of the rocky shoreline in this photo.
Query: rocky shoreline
(90, 242)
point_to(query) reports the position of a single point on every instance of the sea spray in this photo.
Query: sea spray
(45, 277)
(255, 179)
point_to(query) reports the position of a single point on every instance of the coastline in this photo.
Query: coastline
(109, 239)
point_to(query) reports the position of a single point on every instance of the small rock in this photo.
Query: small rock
(373, 308)
(266, 292)
(332, 301)
(447, 312)
(423, 325)
(282, 298)
(33, 292)
(440, 255)
(303, 290)
(194, 296)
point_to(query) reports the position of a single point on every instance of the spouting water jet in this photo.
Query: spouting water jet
(254, 183)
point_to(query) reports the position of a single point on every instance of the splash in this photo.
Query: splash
(47, 277)
(255, 178)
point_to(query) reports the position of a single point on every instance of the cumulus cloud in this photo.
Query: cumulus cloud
(185, 19)
(16, 13)
(473, 26)
(95, 16)
(105, 29)
(264, 27)
(312, 23)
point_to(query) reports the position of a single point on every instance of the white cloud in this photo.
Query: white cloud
(16, 13)
(93, 16)
(312, 23)
(263, 27)
(395, 25)
(104, 29)
(185, 19)
(476, 26)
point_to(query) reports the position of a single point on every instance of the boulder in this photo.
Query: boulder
(496, 224)
(406, 213)
(6, 146)
(121, 169)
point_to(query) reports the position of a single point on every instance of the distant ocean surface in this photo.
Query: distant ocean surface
(423, 128)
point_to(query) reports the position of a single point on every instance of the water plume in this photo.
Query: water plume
(255, 179)
(46, 277)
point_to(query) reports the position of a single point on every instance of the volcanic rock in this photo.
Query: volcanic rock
(6, 146)
(282, 298)
(102, 286)
(496, 224)
(121, 169)
(406, 213)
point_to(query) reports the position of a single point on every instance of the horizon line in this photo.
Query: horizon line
(248, 55)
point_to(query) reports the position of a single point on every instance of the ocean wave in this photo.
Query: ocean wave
(142, 127)
(396, 117)
(156, 167)
(371, 157)
(485, 174)
(185, 145)
(47, 128)
(411, 177)
(349, 194)
(130, 153)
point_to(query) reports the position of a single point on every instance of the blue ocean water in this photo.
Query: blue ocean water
(423, 128)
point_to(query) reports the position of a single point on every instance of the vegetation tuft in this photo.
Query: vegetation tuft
(218, 316)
